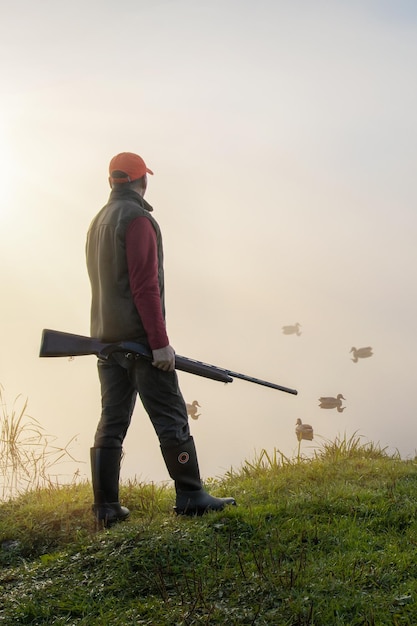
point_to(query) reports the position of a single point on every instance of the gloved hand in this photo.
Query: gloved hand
(164, 358)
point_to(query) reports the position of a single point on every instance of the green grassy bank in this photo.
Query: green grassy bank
(325, 541)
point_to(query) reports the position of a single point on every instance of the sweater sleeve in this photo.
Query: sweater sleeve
(142, 262)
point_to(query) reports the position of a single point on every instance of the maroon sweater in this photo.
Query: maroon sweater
(142, 261)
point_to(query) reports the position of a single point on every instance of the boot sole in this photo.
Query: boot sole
(198, 512)
(108, 522)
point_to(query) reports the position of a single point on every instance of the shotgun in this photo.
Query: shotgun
(55, 343)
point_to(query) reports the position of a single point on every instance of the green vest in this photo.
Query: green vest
(114, 316)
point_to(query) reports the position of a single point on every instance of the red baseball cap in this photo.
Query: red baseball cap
(126, 167)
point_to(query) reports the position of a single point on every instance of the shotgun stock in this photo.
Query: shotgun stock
(55, 343)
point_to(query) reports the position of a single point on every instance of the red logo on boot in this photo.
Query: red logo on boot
(183, 458)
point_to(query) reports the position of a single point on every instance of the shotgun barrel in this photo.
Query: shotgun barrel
(55, 343)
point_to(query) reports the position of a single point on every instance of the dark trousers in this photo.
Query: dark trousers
(121, 380)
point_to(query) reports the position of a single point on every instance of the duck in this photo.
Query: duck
(292, 330)
(361, 353)
(332, 403)
(192, 410)
(303, 431)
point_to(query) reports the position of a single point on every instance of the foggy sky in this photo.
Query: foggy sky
(283, 140)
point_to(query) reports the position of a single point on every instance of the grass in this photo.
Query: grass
(329, 540)
(27, 454)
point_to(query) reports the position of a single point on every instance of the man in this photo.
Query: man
(125, 265)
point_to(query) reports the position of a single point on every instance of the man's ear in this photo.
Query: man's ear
(111, 187)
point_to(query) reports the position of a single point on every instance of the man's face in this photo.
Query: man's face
(144, 186)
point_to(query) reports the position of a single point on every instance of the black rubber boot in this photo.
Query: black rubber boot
(105, 472)
(182, 465)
